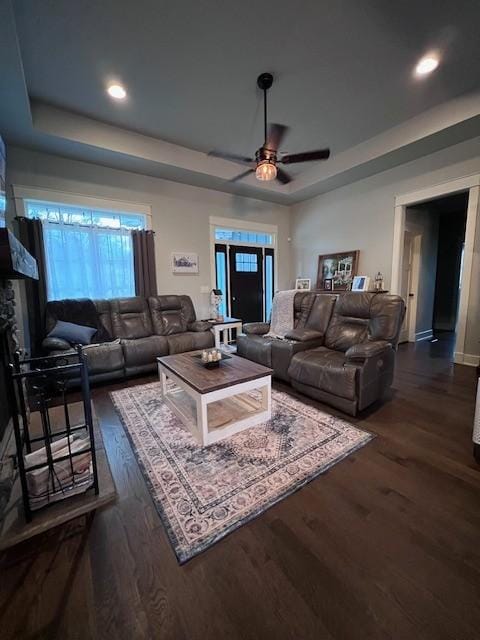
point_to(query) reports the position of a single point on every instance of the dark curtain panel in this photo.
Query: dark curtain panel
(31, 236)
(144, 263)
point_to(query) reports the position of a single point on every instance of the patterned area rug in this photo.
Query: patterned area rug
(202, 494)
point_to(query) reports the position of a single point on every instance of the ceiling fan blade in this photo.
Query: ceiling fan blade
(242, 175)
(275, 135)
(230, 156)
(282, 176)
(320, 154)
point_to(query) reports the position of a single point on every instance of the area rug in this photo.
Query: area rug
(203, 494)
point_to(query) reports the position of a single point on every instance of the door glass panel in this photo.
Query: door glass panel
(221, 268)
(268, 286)
(252, 237)
(246, 262)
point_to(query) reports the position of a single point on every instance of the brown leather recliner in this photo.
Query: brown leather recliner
(311, 317)
(354, 367)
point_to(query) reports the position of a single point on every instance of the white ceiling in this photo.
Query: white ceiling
(343, 75)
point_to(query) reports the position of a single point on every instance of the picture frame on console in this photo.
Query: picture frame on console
(361, 283)
(304, 284)
(339, 269)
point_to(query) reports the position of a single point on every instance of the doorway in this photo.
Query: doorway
(244, 268)
(434, 238)
(464, 348)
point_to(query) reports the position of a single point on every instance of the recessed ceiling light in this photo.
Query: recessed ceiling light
(117, 91)
(426, 65)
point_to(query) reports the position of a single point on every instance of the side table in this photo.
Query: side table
(224, 326)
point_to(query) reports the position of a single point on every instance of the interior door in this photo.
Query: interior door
(246, 283)
(406, 283)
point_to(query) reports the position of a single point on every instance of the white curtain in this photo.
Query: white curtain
(88, 262)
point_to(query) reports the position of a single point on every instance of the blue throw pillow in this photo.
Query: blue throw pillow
(73, 333)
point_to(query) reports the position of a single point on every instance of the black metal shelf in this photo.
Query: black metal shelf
(45, 381)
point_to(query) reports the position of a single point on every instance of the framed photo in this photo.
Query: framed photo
(328, 284)
(361, 283)
(183, 262)
(304, 284)
(340, 268)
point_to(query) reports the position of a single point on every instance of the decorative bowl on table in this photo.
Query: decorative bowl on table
(211, 358)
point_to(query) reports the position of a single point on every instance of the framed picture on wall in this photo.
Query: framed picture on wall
(304, 284)
(184, 262)
(340, 268)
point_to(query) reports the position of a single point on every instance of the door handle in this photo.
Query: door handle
(233, 298)
(411, 295)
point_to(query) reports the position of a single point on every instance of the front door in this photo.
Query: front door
(246, 283)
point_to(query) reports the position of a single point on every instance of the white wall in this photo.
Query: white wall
(360, 216)
(180, 213)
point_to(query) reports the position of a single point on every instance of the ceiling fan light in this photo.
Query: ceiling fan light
(266, 171)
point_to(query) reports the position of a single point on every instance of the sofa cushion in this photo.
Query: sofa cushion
(143, 351)
(104, 316)
(72, 333)
(387, 314)
(321, 312)
(189, 341)
(167, 315)
(302, 304)
(104, 357)
(325, 369)
(344, 332)
(188, 310)
(255, 347)
(81, 311)
(130, 318)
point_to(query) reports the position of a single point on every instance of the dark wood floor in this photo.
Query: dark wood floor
(385, 545)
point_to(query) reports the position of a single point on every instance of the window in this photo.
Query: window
(246, 262)
(221, 272)
(268, 283)
(249, 237)
(89, 253)
(3, 205)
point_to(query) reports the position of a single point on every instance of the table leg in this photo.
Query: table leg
(216, 333)
(267, 398)
(163, 383)
(202, 420)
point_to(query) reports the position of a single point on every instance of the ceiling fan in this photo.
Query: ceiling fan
(266, 161)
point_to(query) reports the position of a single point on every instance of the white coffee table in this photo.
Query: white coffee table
(214, 404)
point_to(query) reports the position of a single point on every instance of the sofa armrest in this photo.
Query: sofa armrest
(303, 335)
(55, 344)
(256, 328)
(199, 325)
(365, 350)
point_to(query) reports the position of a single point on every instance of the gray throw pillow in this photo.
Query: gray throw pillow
(73, 333)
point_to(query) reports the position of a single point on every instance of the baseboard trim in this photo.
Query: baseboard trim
(469, 359)
(424, 335)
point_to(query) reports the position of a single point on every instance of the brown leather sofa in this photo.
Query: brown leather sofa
(342, 350)
(138, 331)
